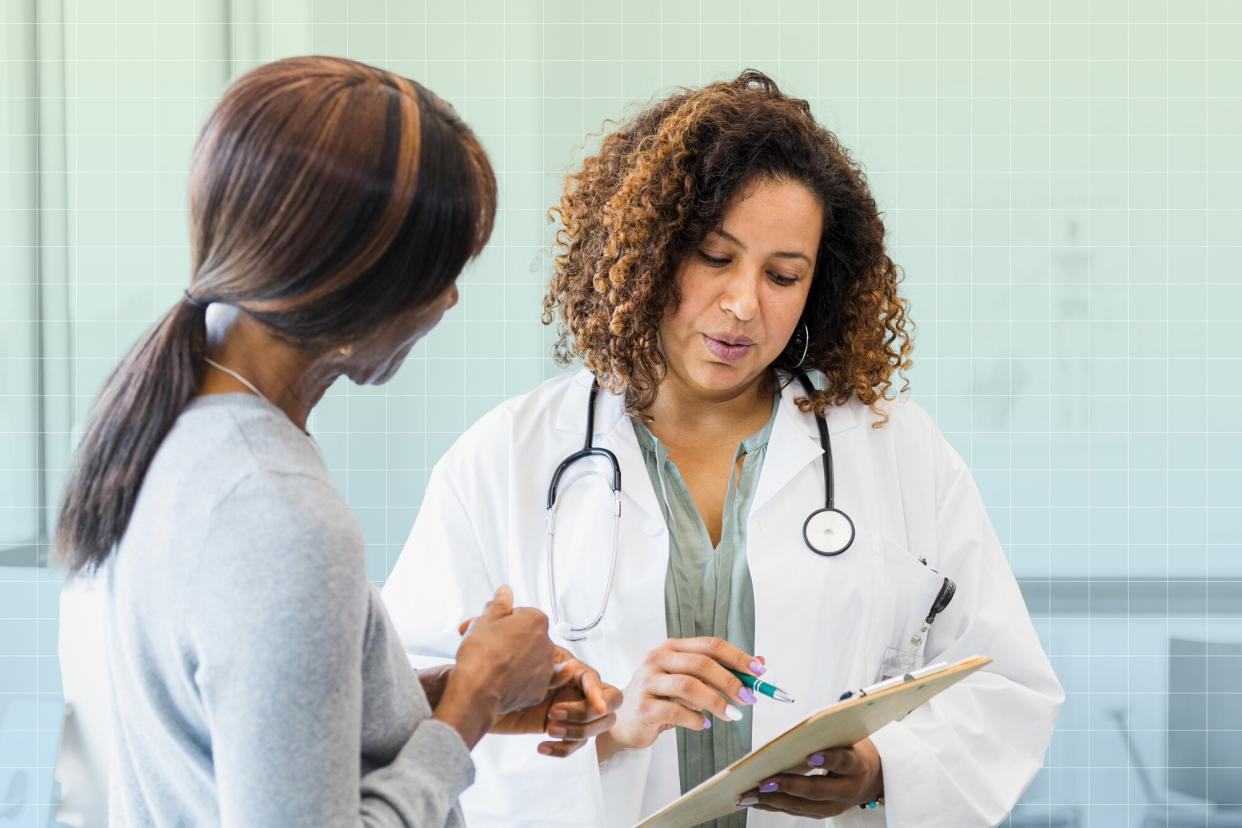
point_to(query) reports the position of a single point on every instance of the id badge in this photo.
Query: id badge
(897, 662)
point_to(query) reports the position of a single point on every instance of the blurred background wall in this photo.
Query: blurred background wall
(1062, 182)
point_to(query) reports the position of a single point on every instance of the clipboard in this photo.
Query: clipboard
(840, 725)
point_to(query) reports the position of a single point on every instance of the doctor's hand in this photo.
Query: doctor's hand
(578, 706)
(505, 663)
(846, 778)
(678, 683)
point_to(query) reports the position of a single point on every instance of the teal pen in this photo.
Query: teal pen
(764, 688)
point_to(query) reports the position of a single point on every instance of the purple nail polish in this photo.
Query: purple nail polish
(815, 760)
(757, 668)
(745, 695)
(707, 723)
(769, 787)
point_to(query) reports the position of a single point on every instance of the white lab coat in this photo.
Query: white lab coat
(822, 623)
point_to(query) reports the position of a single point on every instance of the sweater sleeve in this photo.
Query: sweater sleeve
(278, 621)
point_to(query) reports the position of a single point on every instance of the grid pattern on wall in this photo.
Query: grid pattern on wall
(1061, 184)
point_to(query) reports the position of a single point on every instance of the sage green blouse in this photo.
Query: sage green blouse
(708, 592)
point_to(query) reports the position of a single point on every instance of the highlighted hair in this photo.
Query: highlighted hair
(665, 179)
(326, 198)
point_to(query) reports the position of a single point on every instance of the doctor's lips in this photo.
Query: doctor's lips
(727, 346)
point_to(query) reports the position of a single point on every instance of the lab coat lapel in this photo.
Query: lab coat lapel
(613, 431)
(635, 623)
(793, 444)
(796, 591)
(635, 480)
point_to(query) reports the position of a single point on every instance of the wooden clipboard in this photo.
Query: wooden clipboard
(840, 725)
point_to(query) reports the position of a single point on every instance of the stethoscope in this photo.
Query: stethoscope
(828, 531)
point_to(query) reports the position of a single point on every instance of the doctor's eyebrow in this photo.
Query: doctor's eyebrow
(780, 254)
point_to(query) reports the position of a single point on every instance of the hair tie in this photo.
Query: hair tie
(196, 303)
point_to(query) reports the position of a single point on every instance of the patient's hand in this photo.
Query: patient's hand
(577, 707)
(433, 680)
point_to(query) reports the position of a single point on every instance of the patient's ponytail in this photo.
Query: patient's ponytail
(137, 406)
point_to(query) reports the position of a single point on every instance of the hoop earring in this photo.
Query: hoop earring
(806, 344)
(345, 350)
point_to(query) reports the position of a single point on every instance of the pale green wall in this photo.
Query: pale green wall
(1062, 187)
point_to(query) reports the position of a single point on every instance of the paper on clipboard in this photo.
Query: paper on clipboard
(840, 725)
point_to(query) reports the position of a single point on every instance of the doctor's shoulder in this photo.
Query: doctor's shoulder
(914, 438)
(520, 422)
(899, 419)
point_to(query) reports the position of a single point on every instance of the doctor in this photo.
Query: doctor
(717, 248)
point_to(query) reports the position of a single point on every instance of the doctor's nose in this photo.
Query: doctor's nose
(741, 298)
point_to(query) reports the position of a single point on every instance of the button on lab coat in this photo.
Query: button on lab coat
(823, 624)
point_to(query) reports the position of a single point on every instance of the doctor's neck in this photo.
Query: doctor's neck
(690, 415)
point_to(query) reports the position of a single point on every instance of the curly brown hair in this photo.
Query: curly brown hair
(661, 182)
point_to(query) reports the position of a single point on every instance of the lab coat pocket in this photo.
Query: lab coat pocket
(909, 588)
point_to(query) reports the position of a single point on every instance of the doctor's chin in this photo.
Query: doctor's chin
(529, 413)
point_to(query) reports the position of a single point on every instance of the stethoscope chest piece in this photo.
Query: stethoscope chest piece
(828, 532)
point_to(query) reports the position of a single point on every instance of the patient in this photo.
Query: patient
(256, 679)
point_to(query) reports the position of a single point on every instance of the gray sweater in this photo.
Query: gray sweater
(256, 679)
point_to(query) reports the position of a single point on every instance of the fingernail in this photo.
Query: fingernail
(707, 723)
(745, 695)
(557, 731)
(747, 801)
(558, 713)
(757, 668)
(545, 749)
(769, 787)
(815, 760)
(732, 713)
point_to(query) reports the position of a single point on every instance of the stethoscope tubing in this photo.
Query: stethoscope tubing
(572, 632)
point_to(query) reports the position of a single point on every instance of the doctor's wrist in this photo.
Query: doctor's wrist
(873, 772)
(606, 747)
